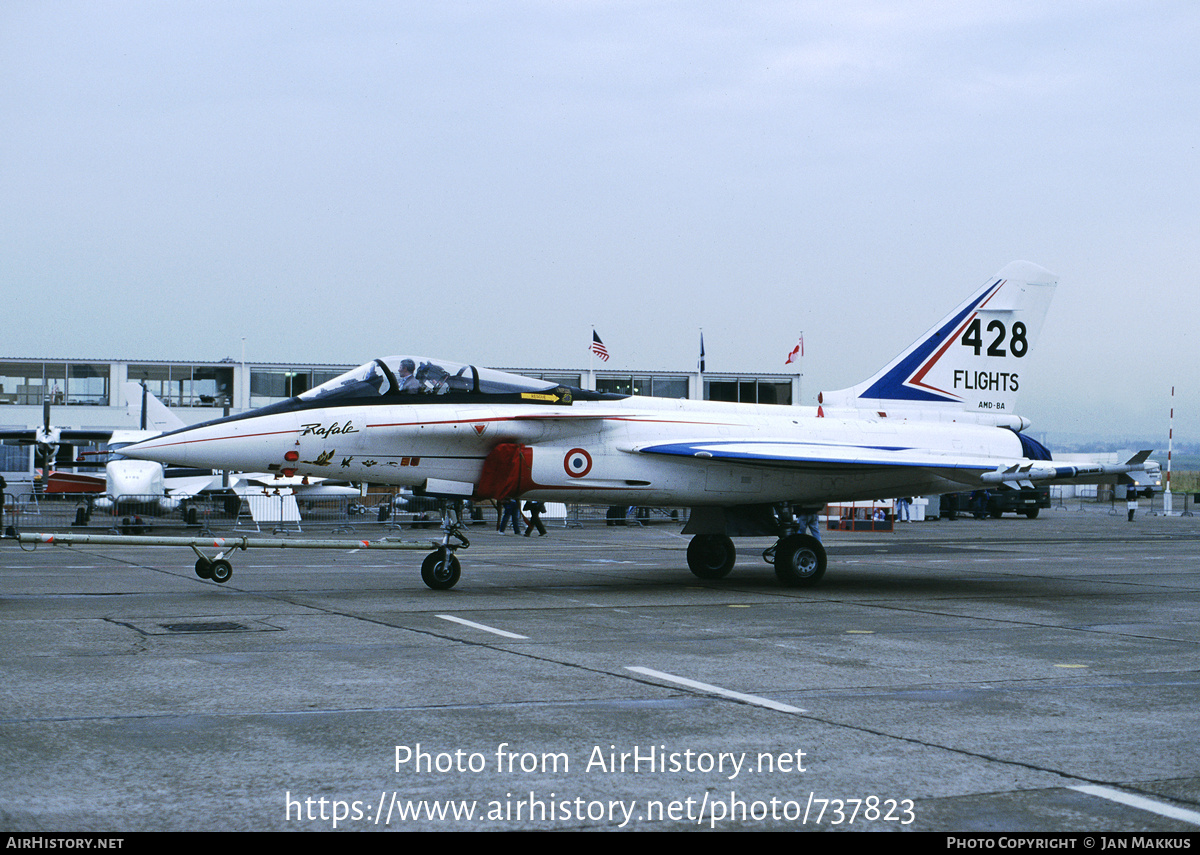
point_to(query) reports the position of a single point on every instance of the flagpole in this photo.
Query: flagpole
(796, 356)
(800, 373)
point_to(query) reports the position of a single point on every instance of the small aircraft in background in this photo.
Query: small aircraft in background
(129, 485)
(49, 438)
(938, 418)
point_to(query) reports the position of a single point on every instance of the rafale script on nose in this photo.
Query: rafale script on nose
(328, 431)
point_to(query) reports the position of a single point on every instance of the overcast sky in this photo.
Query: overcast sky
(486, 181)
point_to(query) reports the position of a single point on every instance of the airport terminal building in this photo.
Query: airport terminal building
(87, 393)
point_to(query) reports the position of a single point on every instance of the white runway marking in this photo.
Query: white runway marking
(485, 628)
(715, 690)
(1141, 803)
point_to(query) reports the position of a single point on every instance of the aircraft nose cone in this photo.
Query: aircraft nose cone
(144, 450)
(236, 444)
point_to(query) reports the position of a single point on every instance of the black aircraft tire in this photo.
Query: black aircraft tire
(204, 568)
(711, 556)
(222, 571)
(438, 575)
(800, 561)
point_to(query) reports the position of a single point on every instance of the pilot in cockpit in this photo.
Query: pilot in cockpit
(409, 385)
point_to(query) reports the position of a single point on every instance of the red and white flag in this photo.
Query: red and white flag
(798, 350)
(598, 347)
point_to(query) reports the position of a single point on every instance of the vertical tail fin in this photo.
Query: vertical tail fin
(154, 413)
(969, 365)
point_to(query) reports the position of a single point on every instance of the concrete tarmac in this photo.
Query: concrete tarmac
(999, 675)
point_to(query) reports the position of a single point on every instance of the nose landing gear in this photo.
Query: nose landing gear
(441, 569)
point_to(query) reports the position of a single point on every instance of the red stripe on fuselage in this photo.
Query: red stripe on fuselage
(219, 438)
(556, 418)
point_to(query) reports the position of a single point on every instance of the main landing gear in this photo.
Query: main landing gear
(799, 559)
(711, 556)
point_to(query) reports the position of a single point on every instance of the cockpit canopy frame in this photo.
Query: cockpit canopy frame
(405, 378)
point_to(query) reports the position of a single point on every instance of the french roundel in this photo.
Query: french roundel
(577, 463)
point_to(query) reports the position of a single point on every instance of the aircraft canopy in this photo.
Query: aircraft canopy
(415, 375)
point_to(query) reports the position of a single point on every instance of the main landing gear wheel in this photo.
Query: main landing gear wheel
(440, 574)
(711, 556)
(799, 560)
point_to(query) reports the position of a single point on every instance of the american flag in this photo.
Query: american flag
(598, 347)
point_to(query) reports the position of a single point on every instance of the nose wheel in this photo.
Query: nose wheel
(440, 570)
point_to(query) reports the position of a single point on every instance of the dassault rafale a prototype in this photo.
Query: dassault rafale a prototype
(938, 418)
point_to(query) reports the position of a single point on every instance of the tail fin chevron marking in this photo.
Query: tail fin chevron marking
(970, 361)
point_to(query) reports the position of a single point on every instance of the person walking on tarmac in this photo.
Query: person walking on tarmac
(979, 502)
(535, 511)
(512, 510)
(1131, 501)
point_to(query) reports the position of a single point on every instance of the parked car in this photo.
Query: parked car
(421, 511)
(1026, 501)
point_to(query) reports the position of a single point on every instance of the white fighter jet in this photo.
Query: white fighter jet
(938, 418)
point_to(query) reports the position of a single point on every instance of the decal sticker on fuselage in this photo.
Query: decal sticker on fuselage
(577, 463)
(323, 459)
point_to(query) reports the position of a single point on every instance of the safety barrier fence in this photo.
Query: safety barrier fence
(1115, 504)
(285, 512)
